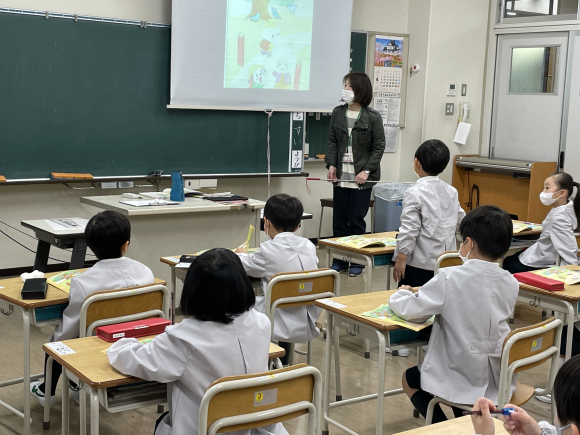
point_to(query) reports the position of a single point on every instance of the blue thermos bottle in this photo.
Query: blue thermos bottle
(177, 193)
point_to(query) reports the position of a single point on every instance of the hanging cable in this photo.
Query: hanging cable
(27, 248)
(269, 113)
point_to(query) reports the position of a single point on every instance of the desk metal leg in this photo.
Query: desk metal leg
(79, 252)
(83, 412)
(328, 356)
(338, 386)
(41, 259)
(381, 383)
(368, 289)
(94, 412)
(570, 323)
(173, 294)
(26, 358)
(65, 402)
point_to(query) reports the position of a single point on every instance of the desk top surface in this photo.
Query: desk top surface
(365, 251)
(360, 303)
(456, 426)
(90, 363)
(44, 226)
(571, 293)
(10, 289)
(190, 205)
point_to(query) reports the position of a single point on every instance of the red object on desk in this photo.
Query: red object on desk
(138, 328)
(539, 281)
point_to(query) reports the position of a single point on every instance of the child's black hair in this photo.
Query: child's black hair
(216, 287)
(433, 155)
(565, 181)
(284, 211)
(361, 86)
(567, 392)
(106, 233)
(491, 228)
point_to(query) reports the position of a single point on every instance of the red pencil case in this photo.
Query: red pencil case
(138, 328)
(539, 281)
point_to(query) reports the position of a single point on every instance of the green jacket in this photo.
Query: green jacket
(368, 143)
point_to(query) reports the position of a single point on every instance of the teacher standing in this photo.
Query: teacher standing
(356, 143)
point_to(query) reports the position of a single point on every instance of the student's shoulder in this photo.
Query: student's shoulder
(138, 265)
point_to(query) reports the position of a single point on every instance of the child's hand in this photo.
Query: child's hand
(399, 270)
(520, 422)
(483, 424)
(242, 249)
(406, 287)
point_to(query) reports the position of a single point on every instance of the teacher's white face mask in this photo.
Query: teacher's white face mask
(347, 96)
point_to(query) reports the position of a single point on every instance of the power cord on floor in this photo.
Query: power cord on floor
(27, 248)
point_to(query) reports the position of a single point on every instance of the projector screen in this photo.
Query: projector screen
(285, 55)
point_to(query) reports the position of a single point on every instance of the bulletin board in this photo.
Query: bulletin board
(388, 68)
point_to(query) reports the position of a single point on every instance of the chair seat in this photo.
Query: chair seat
(522, 394)
(329, 202)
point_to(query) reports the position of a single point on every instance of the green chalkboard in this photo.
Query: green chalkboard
(90, 97)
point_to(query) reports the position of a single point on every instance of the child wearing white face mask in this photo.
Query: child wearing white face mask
(557, 229)
(284, 252)
(557, 238)
(471, 304)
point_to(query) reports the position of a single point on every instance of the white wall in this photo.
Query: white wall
(457, 43)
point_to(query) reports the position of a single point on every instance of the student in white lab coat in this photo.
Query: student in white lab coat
(430, 217)
(107, 234)
(284, 252)
(221, 336)
(471, 304)
(557, 229)
(519, 422)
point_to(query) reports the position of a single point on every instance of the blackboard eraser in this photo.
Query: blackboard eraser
(2, 179)
(66, 176)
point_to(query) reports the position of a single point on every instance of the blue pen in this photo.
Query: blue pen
(502, 411)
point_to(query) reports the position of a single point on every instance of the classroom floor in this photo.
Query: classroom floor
(359, 377)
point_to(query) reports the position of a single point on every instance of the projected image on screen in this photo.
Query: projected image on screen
(268, 44)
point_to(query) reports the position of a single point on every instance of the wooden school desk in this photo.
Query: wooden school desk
(565, 302)
(38, 312)
(65, 238)
(346, 315)
(455, 426)
(91, 365)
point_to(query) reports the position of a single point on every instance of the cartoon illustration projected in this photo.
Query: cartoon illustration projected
(268, 44)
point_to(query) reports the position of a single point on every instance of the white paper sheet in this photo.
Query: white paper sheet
(60, 348)
(391, 139)
(67, 224)
(394, 112)
(331, 303)
(147, 203)
(462, 133)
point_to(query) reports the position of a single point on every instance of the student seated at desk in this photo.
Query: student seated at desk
(567, 395)
(558, 228)
(284, 252)
(221, 336)
(471, 304)
(430, 217)
(107, 234)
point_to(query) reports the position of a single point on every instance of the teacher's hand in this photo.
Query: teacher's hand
(361, 178)
(332, 174)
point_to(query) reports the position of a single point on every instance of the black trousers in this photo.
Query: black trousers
(575, 341)
(286, 346)
(349, 211)
(422, 398)
(513, 264)
(416, 277)
(55, 376)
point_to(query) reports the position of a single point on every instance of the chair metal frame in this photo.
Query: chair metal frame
(262, 382)
(507, 371)
(85, 331)
(270, 311)
(445, 256)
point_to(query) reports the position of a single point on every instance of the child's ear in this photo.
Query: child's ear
(575, 429)
(297, 228)
(125, 247)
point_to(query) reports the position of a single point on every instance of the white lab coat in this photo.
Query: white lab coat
(471, 304)
(557, 238)
(430, 217)
(190, 356)
(286, 252)
(112, 274)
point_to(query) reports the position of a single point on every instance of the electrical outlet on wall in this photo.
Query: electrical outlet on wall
(192, 184)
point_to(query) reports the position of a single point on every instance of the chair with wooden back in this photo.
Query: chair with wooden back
(107, 308)
(448, 259)
(244, 402)
(523, 349)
